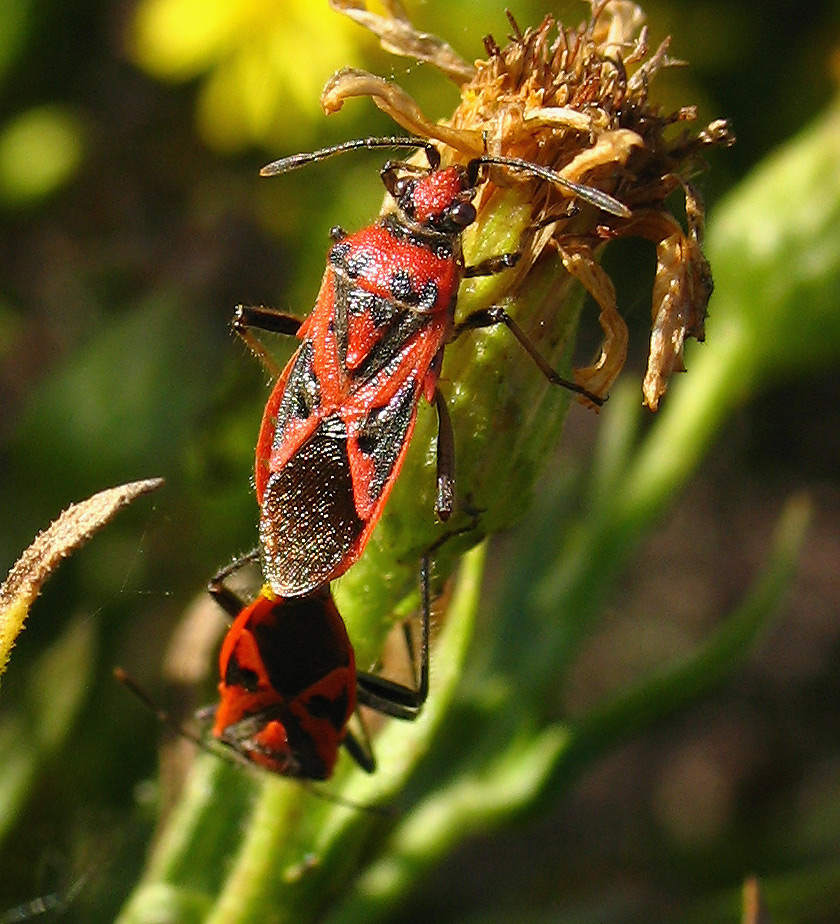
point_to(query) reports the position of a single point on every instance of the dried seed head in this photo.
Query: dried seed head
(576, 100)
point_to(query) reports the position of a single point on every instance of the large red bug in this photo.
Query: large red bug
(338, 423)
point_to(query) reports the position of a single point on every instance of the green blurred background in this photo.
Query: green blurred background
(133, 220)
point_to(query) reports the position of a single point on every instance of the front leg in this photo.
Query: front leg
(489, 317)
(257, 317)
(492, 265)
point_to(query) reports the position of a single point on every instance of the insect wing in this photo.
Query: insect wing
(291, 413)
(319, 508)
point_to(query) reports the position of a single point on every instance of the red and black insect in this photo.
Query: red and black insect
(339, 420)
(289, 684)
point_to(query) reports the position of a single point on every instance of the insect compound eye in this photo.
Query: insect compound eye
(461, 214)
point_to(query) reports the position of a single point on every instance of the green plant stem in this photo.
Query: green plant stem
(524, 770)
(240, 843)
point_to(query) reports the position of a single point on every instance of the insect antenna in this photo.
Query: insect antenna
(160, 714)
(596, 197)
(229, 755)
(53, 903)
(285, 164)
(383, 811)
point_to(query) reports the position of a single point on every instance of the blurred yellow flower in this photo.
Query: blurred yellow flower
(40, 150)
(264, 63)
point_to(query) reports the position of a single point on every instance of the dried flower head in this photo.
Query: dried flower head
(576, 100)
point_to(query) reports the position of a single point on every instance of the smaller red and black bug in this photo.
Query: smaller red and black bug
(289, 684)
(338, 423)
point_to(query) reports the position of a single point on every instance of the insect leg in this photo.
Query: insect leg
(396, 699)
(360, 748)
(256, 317)
(259, 317)
(229, 601)
(445, 499)
(492, 265)
(489, 317)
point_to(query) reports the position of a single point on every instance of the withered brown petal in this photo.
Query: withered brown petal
(393, 100)
(397, 35)
(580, 262)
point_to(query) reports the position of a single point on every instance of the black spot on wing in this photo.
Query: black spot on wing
(428, 296)
(360, 301)
(339, 253)
(308, 519)
(238, 676)
(333, 709)
(304, 643)
(308, 762)
(402, 288)
(302, 394)
(356, 262)
(383, 433)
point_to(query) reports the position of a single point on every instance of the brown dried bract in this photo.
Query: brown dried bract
(753, 910)
(576, 100)
(61, 538)
(397, 35)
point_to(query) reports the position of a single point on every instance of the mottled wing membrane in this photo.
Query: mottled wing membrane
(308, 517)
